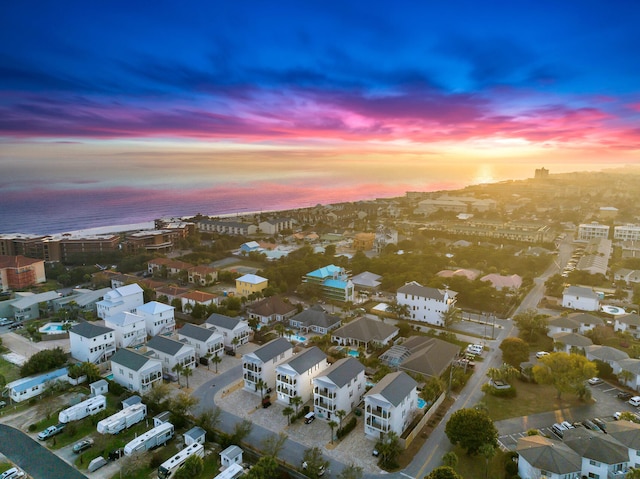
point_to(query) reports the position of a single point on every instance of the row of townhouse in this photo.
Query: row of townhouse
(389, 406)
(200, 275)
(582, 453)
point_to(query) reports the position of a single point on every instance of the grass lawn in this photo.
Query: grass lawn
(11, 372)
(531, 399)
(474, 467)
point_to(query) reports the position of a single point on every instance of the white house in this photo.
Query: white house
(539, 456)
(601, 455)
(129, 329)
(231, 455)
(295, 377)
(26, 388)
(203, 340)
(606, 354)
(159, 318)
(630, 373)
(171, 352)
(579, 297)
(260, 365)
(425, 304)
(126, 298)
(340, 387)
(230, 328)
(629, 323)
(390, 405)
(135, 371)
(91, 343)
(573, 323)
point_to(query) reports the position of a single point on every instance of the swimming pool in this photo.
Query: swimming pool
(295, 337)
(612, 310)
(109, 377)
(353, 353)
(421, 403)
(52, 328)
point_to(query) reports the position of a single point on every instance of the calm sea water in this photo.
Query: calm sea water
(61, 213)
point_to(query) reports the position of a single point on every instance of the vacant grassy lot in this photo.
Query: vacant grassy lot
(475, 467)
(531, 399)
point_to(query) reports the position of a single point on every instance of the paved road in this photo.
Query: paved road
(35, 459)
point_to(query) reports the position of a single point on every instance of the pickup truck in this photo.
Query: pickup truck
(50, 431)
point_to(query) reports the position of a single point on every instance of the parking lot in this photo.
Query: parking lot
(605, 404)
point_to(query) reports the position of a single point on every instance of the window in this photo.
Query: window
(594, 463)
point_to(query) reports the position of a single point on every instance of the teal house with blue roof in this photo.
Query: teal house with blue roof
(334, 283)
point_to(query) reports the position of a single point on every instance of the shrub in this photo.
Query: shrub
(32, 427)
(347, 428)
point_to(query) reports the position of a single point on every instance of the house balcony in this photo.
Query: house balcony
(379, 425)
(151, 378)
(325, 393)
(620, 473)
(250, 377)
(286, 379)
(380, 414)
(252, 367)
(329, 406)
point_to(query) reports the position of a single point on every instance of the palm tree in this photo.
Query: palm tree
(332, 425)
(186, 372)
(288, 411)
(488, 451)
(296, 401)
(216, 360)
(625, 376)
(178, 368)
(451, 316)
(341, 413)
(261, 385)
(235, 343)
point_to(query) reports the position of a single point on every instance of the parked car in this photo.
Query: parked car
(3, 404)
(5, 321)
(78, 447)
(595, 381)
(635, 401)
(600, 423)
(50, 431)
(13, 473)
(541, 354)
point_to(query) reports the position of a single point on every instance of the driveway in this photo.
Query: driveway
(32, 457)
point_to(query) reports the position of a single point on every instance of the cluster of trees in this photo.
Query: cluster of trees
(43, 361)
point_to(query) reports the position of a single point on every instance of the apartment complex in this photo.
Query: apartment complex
(588, 231)
(20, 272)
(333, 282)
(626, 233)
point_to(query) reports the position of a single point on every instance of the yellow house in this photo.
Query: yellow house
(250, 283)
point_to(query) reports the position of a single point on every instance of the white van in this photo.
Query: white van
(309, 417)
(475, 348)
(635, 401)
(12, 473)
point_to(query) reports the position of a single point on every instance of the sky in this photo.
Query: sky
(315, 100)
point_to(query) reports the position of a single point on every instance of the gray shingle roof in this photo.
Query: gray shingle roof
(272, 349)
(595, 445)
(89, 330)
(343, 371)
(549, 455)
(572, 339)
(222, 321)
(305, 360)
(314, 317)
(580, 291)
(631, 319)
(366, 329)
(129, 359)
(394, 387)
(428, 356)
(605, 353)
(165, 345)
(417, 289)
(627, 432)
(196, 332)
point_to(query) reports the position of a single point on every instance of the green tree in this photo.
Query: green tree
(209, 420)
(157, 397)
(313, 463)
(432, 389)
(332, 424)
(565, 372)
(186, 372)
(216, 359)
(265, 468)
(531, 324)
(633, 474)
(296, 401)
(341, 413)
(180, 406)
(450, 316)
(471, 428)
(178, 369)
(273, 444)
(443, 472)
(488, 451)
(288, 411)
(44, 361)
(450, 459)
(514, 351)
(191, 468)
(351, 472)
(389, 448)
